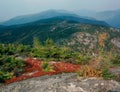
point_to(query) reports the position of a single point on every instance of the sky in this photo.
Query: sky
(12, 8)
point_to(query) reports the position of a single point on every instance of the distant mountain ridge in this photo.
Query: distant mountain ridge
(35, 17)
(72, 31)
(110, 17)
(45, 15)
(1, 26)
(70, 18)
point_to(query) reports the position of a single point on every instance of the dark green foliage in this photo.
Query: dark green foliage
(7, 49)
(84, 59)
(107, 74)
(50, 51)
(5, 76)
(15, 49)
(10, 66)
(116, 60)
(55, 28)
(47, 67)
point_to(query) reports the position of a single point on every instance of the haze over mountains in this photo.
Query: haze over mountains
(45, 15)
(35, 17)
(110, 17)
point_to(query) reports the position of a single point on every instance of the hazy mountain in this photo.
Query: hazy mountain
(110, 17)
(84, 12)
(106, 14)
(115, 21)
(35, 17)
(1, 26)
(73, 19)
(43, 15)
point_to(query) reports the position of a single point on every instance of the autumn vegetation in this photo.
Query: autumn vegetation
(18, 61)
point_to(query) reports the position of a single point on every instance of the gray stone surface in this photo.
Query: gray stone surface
(68, 82)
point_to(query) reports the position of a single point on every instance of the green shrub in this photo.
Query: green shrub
(47, 67)
(107, 74)
(11, 65)
(50, 51)
(5, 76)
(83, 59)
(116, 60)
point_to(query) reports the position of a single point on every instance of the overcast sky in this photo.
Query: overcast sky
(12, 8)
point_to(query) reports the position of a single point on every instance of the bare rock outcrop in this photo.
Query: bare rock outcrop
(68, 82)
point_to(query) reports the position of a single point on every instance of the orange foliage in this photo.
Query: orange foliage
(89, 71)
(102, 38)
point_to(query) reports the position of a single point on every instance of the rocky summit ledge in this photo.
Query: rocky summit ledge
(66, 82)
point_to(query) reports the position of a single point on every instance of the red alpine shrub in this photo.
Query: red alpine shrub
(33, 69)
